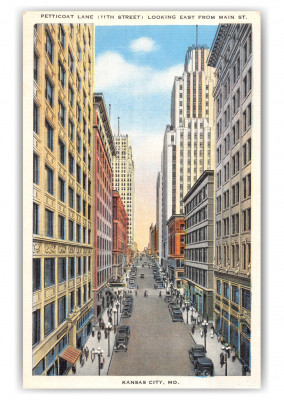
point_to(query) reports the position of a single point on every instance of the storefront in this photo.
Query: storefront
(84, 328)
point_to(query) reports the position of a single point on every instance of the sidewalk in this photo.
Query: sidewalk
(92, 368)
(234, 368)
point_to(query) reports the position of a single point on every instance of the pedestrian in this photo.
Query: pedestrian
(93, 355)
(110, 319)
(136, 293)
(81, 359)
(105, 330)
(245, 369)
(87, 353)
(193, 328)
(160, 294)
(137, 287)
(212, 332)
(73, 369)
(218, 336)
(93, 331)
(201, 332)
(234, 354)
(99, 335)
(145, 293)
(222, 359)
(103, 325)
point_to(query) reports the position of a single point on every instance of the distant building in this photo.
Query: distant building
(199, 244)
(232, 56)
(124, 181)
(176, 231)
(119, 236)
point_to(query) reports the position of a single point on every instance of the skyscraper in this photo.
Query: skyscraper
(63, 226)
(231, 55)
(124, 181)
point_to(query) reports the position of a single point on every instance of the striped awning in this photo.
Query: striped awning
(71, 355)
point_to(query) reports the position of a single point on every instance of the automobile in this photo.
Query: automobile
(171, 303)
(121, 341)
(125, 314)
(168, 297)
(160, 285)
(141, 275)
(204, 367)
(124, 329)
(177, 316)
(128, 300)
(128, 307)
(195, 352)
(132, 286)
(173, 307)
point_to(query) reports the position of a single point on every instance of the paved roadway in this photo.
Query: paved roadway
(157, 346)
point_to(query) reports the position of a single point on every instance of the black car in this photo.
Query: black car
(168, 298)
(204, 367)
(121, 342)
(124, 329)
(177, 316)
(126, 314)
(173, 309)
(196, 352)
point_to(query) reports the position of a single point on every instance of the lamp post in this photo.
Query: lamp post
(108, 329)
(114, 312)
(187, 309)
(205, 324)
(225, 360)
(99, 352)
(117, 307)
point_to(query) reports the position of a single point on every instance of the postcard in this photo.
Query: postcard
(141, 199)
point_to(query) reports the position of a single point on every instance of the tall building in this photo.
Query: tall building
(63, 223)
(124, 181)
(104, 152)
(176, 249)
(158, 212)
(199, 244)
(231, 55)
(189, 143)
(120, 238)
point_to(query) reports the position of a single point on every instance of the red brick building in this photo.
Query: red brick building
(176, 227)
(104, 151)
(120, 236)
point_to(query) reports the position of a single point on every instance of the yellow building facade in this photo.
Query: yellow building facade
(63, 151)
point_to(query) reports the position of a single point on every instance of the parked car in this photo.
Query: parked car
(168, 297)
(196, 352)
(141, 275)
(121, 342)
(124, 329)
(160, 285)
(173, 309)
(126, 314)
(177, 316)
(204, 366)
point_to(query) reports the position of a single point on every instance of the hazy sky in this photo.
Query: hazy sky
(135, 68)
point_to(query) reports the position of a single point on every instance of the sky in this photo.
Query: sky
(135, 68)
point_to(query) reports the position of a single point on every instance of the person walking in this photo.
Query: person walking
(93, 355)
(222, 359)
(136, 293)
(99, 336)
(193, 328)
(160, 294)
(245, 369)
(212, 332)
(93, 331)
(87, 353)
(81, 359)
(234, 353)
(201, 332)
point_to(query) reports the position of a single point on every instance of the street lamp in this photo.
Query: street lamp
(187, 309)
(205, 324)
(117, 307)
(99, 352)
(114, 312)
(108, 329)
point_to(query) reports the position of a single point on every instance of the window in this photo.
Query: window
(62, 113)
(78, 173)
(72, 301)
(79, 113)
(79, 300)
(71, 268)
(49, 46)
(78, 198)
(49, 91)
(79, 51)
(61, 74)
(49, 135)
(226, 290)
(49, 272)
(247, 220)
(49, 223)
(36, 274)
(71, 95)
(61, 35)
(61, 184)
(79, 83)
(49, 180)
(61, 152)
(78, 233)
(84, 208)
(36, 326)
(246, 299)
(71, 61)
(71, 129)
(35, 219)
(36, 118)
(71, 197)
(61, 227)
(71, 164)
(36, 66)
(85, 293)
(62, 310)
(79, 144)
(62, 275)
(219, 287)
(49, 318)
(71, 231)
(36, 169)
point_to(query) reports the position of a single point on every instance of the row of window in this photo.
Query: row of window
(49, 227)
(235, 294)
(231, 256)
(196, 275)
(199, 216)
(196, 236)
(246, 224)
(199, 255)
(46, 269)
(197, 199)
(246, 191)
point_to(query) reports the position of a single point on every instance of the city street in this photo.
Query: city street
(157, 346)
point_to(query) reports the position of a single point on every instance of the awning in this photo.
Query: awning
(71, 355)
